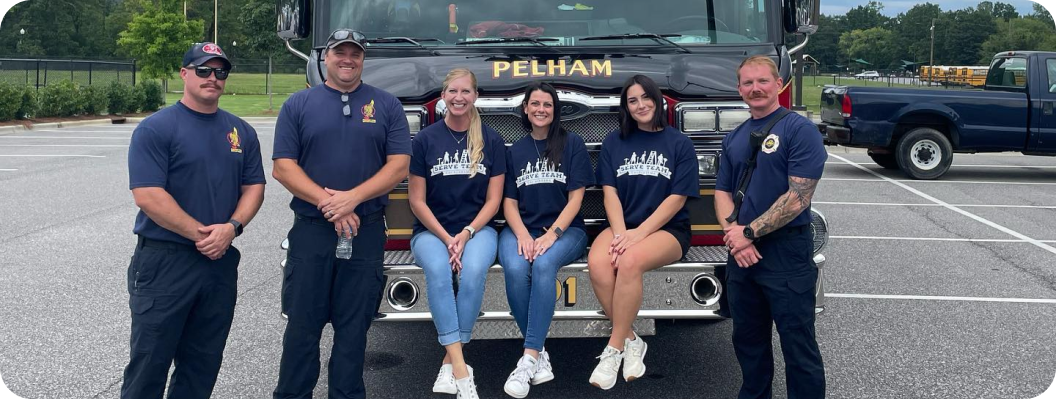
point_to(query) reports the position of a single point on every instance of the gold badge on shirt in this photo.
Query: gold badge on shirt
(232, 138)
(368, 112)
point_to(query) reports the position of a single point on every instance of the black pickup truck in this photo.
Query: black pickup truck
(919, 130)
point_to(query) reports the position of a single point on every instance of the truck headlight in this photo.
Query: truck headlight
(820, 229)
(729, 119)
(698, 121)
(415, 118)
(708, 165)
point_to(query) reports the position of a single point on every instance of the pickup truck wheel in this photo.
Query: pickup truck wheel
(924, 153)
(886, 161)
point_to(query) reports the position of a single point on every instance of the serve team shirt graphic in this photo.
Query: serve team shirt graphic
(456, 165)
(540, 187)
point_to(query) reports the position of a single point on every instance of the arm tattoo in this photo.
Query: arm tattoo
(787, 206)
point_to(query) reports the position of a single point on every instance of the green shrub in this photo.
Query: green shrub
(94, 99)
(153, 96)
(10, 101)
(137, 100)
(120, 96)
(60, 99)
(29, 106)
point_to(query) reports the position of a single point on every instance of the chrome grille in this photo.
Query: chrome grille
(591, 127)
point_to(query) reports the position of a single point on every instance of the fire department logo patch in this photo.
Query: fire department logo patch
(212, 48)
(236, 143)
(368, 112)
(771, 143)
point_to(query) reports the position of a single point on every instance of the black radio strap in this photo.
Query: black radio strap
(755, 141)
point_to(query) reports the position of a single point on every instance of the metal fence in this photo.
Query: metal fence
(886, 78)
(41, 72)
(263, 77)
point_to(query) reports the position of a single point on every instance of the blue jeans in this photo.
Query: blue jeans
(453, 315)
(530, 287)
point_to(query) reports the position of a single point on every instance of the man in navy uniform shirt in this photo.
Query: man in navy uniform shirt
(771, 274)
(339, 149)
(195, 172)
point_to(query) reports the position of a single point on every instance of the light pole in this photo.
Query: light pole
(216, 20)
(21, 32)
(932, 62)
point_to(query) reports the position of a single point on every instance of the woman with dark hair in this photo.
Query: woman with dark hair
(647, 171)
(547, 174)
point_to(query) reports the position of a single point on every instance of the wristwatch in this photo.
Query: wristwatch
(238, 226)
(557, 231)
(749, 233)
(471, 230)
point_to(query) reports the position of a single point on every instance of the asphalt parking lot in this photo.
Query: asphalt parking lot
(938, 289)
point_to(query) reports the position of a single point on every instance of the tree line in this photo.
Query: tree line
(140, 29)
(124, 29)
(969, 36)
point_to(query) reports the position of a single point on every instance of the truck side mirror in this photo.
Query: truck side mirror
(801, 16)
(294, 19)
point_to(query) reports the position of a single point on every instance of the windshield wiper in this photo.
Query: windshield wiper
(412, 41)
(659, 38)
(533, 40)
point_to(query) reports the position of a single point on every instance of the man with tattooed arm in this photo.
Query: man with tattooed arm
(768, 171)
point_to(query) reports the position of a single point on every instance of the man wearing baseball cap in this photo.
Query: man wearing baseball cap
(340, 147)
(195, 172)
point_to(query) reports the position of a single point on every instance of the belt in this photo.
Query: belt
(789, 231)
(150, 242)
(363, 220)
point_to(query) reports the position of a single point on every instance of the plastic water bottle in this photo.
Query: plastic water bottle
(344, 247)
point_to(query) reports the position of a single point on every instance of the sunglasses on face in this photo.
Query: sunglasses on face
(342, 34)
(347, 109)
(204, 71)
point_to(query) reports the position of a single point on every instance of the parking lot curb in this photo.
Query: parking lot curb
(4, 130)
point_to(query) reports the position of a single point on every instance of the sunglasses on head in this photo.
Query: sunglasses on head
(204, 71)
(342, 34)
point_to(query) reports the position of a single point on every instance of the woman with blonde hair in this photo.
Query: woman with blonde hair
(457, 172)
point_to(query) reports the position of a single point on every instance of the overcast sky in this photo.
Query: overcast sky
(894, 7)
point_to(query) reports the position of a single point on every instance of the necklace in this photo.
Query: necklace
(453, 134)
(536, 146)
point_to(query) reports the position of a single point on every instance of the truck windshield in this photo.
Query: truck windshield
(556, 22)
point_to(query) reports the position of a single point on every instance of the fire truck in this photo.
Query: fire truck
(690, 48)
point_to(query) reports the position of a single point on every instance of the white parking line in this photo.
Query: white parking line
(908, 204)
(53, 155)
(939, 239)
(942, 298)
(977, 218)
(8, 170)
(66, 137)
(890, 180)
(968, 166)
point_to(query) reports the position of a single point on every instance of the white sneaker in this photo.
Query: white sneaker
(544, 372)
(604, 375)
(445, 381)
(467, 389)
(519, 382)
(634, 357)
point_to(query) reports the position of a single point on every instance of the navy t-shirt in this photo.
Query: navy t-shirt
(337, 151)
(441, 157)
(793, 148)
(540, 188)
(202, 160)
(646, 168)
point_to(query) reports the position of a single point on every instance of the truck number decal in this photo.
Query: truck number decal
(567, 290)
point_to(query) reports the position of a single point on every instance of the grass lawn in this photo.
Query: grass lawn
(242, 105)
